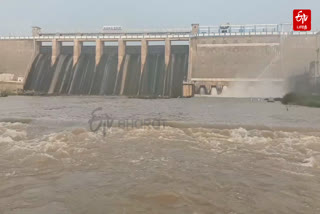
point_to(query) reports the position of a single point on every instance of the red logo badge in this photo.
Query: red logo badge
(301, 20)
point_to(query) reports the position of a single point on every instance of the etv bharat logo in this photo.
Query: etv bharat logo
(301, 20)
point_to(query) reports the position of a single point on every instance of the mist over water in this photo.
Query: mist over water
(254, 89)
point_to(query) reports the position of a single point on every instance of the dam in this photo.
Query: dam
(158, 63)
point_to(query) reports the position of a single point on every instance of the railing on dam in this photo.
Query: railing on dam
(250, 29)
(155, 37)
(107, 37)
(173, 34)
(203, 34)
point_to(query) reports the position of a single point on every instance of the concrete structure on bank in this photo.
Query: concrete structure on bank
(214, 57)
(12, 87)
(273, 58)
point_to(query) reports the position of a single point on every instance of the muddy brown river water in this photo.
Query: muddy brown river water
(213, 155)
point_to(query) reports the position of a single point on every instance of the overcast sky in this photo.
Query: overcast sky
(17, 16)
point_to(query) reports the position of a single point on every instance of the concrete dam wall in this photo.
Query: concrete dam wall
(249, 65)
(16, 56)
(251, 56)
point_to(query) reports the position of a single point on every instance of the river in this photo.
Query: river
(209, 155)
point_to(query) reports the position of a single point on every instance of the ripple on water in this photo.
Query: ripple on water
(156, 167)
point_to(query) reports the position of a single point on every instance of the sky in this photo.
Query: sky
(17, 16)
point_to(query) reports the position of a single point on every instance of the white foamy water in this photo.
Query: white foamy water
(215, 156)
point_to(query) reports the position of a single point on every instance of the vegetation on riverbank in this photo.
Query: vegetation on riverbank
(303, 100)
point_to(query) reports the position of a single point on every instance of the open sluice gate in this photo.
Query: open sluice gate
(86, 77)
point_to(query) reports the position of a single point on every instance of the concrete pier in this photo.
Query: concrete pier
(167, 53)
(120, 79)
(37, 47)
(124, 75)
(121, 53)
(56, 49)
(192, 57)
(99, 50)
(76, 51)
(144, 53)
(192, 50)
